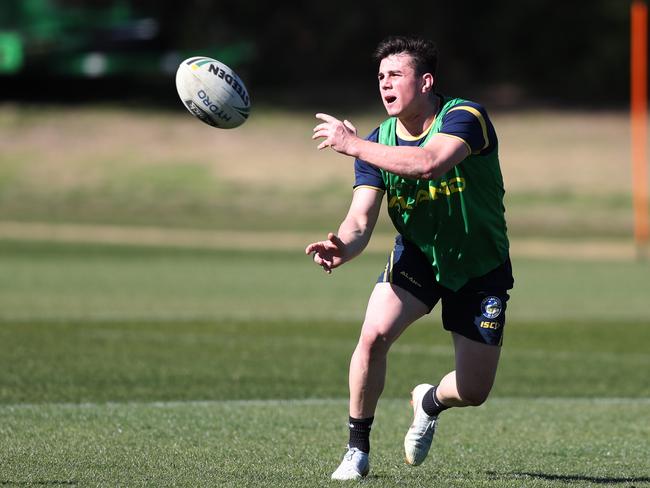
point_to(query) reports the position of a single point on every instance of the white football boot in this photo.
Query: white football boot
(355, 465)
(419, 436)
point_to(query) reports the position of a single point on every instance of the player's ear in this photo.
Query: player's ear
(428, 82)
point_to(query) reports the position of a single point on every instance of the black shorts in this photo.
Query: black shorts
(476, 311)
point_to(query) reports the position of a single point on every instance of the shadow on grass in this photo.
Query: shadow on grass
(568, 478)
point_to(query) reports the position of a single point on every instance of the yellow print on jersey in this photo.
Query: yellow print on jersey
(445, 188)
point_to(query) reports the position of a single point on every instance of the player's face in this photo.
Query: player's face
(399, 86)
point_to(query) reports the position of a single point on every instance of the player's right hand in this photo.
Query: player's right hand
(327, 254)
(337, 134)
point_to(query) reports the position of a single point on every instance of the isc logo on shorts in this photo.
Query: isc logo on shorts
(490, 325)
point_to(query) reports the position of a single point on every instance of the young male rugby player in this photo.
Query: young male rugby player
(436, 160)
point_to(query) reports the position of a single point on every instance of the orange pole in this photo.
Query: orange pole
(639, 118)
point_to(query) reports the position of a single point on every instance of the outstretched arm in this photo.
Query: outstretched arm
(353, 234)
(439, 155)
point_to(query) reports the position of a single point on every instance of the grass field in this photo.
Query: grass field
(193, 344)
(142, 366)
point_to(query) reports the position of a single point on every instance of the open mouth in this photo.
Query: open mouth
(390, 99)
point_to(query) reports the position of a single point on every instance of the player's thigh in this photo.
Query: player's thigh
(476, 367)
(390, 311)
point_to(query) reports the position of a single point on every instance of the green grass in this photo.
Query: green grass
(234, 404)
(222, 360)
(507, 443)
(138, 366)
(151, 366)
(49, 281)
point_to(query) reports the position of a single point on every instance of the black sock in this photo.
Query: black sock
(360, 433)
(430, 403)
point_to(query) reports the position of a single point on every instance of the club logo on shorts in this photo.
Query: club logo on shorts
(491, 307)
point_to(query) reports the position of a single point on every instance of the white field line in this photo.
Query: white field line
(310, 401)
(591, 249)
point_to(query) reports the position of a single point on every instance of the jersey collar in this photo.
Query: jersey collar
(405, 136)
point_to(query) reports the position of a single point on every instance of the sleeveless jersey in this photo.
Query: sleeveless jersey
(457, 220)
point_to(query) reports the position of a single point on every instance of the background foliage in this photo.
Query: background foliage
(502, 51)
(574, 52)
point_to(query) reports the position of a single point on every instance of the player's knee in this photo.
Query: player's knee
(374, 342)
(475, 401)
(474, 397)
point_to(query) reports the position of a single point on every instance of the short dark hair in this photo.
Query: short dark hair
(423, 52)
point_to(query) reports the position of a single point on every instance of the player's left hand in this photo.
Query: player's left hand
(339, 135)
(327, 254)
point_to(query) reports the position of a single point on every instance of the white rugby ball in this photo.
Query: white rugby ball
(213, 92)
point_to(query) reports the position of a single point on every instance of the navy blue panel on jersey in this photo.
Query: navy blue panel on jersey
(470, 122)
(365, 174)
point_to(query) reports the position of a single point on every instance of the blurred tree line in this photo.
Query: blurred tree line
(537, 51)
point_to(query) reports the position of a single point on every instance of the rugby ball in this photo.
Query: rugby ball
(212, 92)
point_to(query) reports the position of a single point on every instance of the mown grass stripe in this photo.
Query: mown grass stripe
(563, 249)
(312, 401)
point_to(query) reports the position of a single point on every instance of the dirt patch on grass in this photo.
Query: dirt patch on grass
(589, 250)
(68, 144)
(566, 173)
(574, 151)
